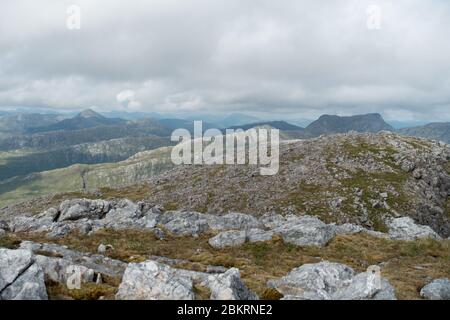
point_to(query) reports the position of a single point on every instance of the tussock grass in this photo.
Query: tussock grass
(407, 265)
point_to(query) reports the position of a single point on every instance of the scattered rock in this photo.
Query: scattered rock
(438, 289)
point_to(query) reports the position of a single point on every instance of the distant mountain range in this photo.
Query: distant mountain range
(84, 120)
(436, 131)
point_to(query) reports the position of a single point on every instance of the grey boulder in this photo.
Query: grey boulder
(230, 238)
(406, 229)
(151, 280)
(20, 277)
(332, 281)
(438, 289)
(306, 231)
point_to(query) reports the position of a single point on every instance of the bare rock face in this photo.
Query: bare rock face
(327, 280)
(20, 277)
(406, 229)
(438, 289)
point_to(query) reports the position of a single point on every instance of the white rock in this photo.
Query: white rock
(151, 280)
(20, 277)
(406, 229)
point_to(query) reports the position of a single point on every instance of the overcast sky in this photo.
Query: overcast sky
(296, 58)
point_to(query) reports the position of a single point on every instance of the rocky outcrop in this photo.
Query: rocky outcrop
(56, 260)
(152, 280)
(82, 208)
(21, 278)
(327, 280)
(438, 289)
(406, 229)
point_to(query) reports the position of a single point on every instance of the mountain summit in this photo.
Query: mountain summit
(89, 113)
(329, 124)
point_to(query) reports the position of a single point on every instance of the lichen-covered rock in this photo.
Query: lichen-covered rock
(438, 289)
(229, 286)
(406, 229)
(185, 223)
(314, 281)
(332, 281)
(20, 277)
(234, 221)
(259, 235)
(306, 231)
(151, 280)
(230, 238)
(75, 209)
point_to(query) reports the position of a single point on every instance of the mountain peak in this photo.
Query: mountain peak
(89, 113)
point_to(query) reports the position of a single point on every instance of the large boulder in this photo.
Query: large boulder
(151, 280)
(20, 277)
(332, 281)
(317, 281)
(184, 223)
(234, 221)
(406, 229)
(229, 286)
(124, 215)
(75, 209)
(438, 289)
(306, 231)
(230, 238)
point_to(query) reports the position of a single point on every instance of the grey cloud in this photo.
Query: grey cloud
(286, 57)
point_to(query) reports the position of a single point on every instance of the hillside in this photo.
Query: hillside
(25, 161)
(57, 139)
(437, 131)
(358, 178)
